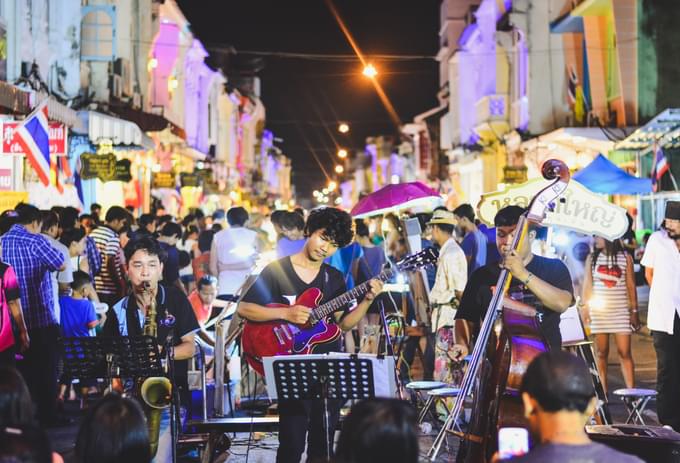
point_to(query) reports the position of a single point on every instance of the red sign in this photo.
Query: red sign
(5, 179)
(58, 133)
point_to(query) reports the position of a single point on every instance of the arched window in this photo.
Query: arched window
(98, 33)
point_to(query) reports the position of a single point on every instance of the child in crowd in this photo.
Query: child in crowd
(78, 317)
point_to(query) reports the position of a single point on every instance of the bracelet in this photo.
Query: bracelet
(526, 282)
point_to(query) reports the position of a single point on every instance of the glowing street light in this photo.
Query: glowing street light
(343, 128)
(332, 186)
(342, 153)
(370, 71)
(339, 169)
(324, 191)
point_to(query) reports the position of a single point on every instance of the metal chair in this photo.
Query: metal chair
(636, 400)
(423, 386)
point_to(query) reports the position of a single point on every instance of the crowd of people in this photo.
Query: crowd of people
(64, 273)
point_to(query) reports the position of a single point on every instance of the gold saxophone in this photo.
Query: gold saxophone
(156, 392)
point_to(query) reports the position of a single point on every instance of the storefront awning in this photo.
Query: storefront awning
(148, 122)
(59, 112)
(120, 132)
(14, 99)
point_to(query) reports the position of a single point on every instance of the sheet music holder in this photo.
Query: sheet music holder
(329, 376)
(109, 357)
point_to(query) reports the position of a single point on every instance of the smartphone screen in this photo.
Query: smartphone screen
(512, 442)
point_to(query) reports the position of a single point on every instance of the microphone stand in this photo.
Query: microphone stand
(389, 350)
(175, 418)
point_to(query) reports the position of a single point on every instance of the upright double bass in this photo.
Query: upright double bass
(495, 372)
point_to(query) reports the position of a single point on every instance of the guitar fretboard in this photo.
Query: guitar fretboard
(341, 301)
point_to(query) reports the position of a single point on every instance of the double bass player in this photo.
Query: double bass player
(538, 281)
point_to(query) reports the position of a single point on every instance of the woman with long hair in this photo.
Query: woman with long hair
(609, 304)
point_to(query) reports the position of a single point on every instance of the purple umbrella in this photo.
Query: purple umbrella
(393, 198)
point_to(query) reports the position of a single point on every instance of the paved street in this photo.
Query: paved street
(263, 446)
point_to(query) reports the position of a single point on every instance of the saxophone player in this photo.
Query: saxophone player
(128, 317)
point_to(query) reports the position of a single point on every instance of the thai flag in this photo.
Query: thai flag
(660, 166)
(34, 137)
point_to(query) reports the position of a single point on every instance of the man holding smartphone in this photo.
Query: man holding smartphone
(559, 398)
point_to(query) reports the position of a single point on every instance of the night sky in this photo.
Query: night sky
(305, 99)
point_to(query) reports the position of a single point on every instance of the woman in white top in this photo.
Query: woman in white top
(609, 304)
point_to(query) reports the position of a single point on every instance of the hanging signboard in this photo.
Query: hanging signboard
(122, 170)
(163, 180)
(101, 166)
(192, 179)
(58, 134)
(577, 209)
(514, 174)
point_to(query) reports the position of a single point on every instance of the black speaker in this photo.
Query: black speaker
(652, 444)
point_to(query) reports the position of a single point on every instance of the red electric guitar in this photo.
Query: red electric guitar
(279, 337)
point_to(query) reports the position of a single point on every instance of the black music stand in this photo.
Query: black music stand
(322, 377)
(111, 357)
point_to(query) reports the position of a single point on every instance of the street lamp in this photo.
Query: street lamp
(370, 71)
(342, 153)
(339, 169)
(343, 128)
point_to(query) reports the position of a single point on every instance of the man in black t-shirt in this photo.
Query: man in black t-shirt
(145, 258)
(281, 282)
(538, 281)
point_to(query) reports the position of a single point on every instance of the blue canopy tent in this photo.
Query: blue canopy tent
(603, 176)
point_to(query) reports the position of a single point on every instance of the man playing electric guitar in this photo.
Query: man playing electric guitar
(281, 282)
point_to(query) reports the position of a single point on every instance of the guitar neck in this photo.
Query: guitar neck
(355, 293)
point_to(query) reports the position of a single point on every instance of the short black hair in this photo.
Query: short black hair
(113, 430)
(7, 219)
(465, 210)
(145, 243)
(80, 279)
(188, 219)
(205, 239)
(508, 216)
(145, 220)
(184, 258)
(206, 280)
(68, 217)
(172, 229)
(71, 235)
(216, 227)
(116, 213)
(28, 213)
(94, 206)
(379, 430)
(337, 225)
(559, 381)
(49, 219)
(24, 444)
(292, 221)
(237, 216)
(276, 216)
(361, 228)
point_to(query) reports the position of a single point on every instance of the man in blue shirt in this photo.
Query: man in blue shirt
(32, 258)
(475, 241)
